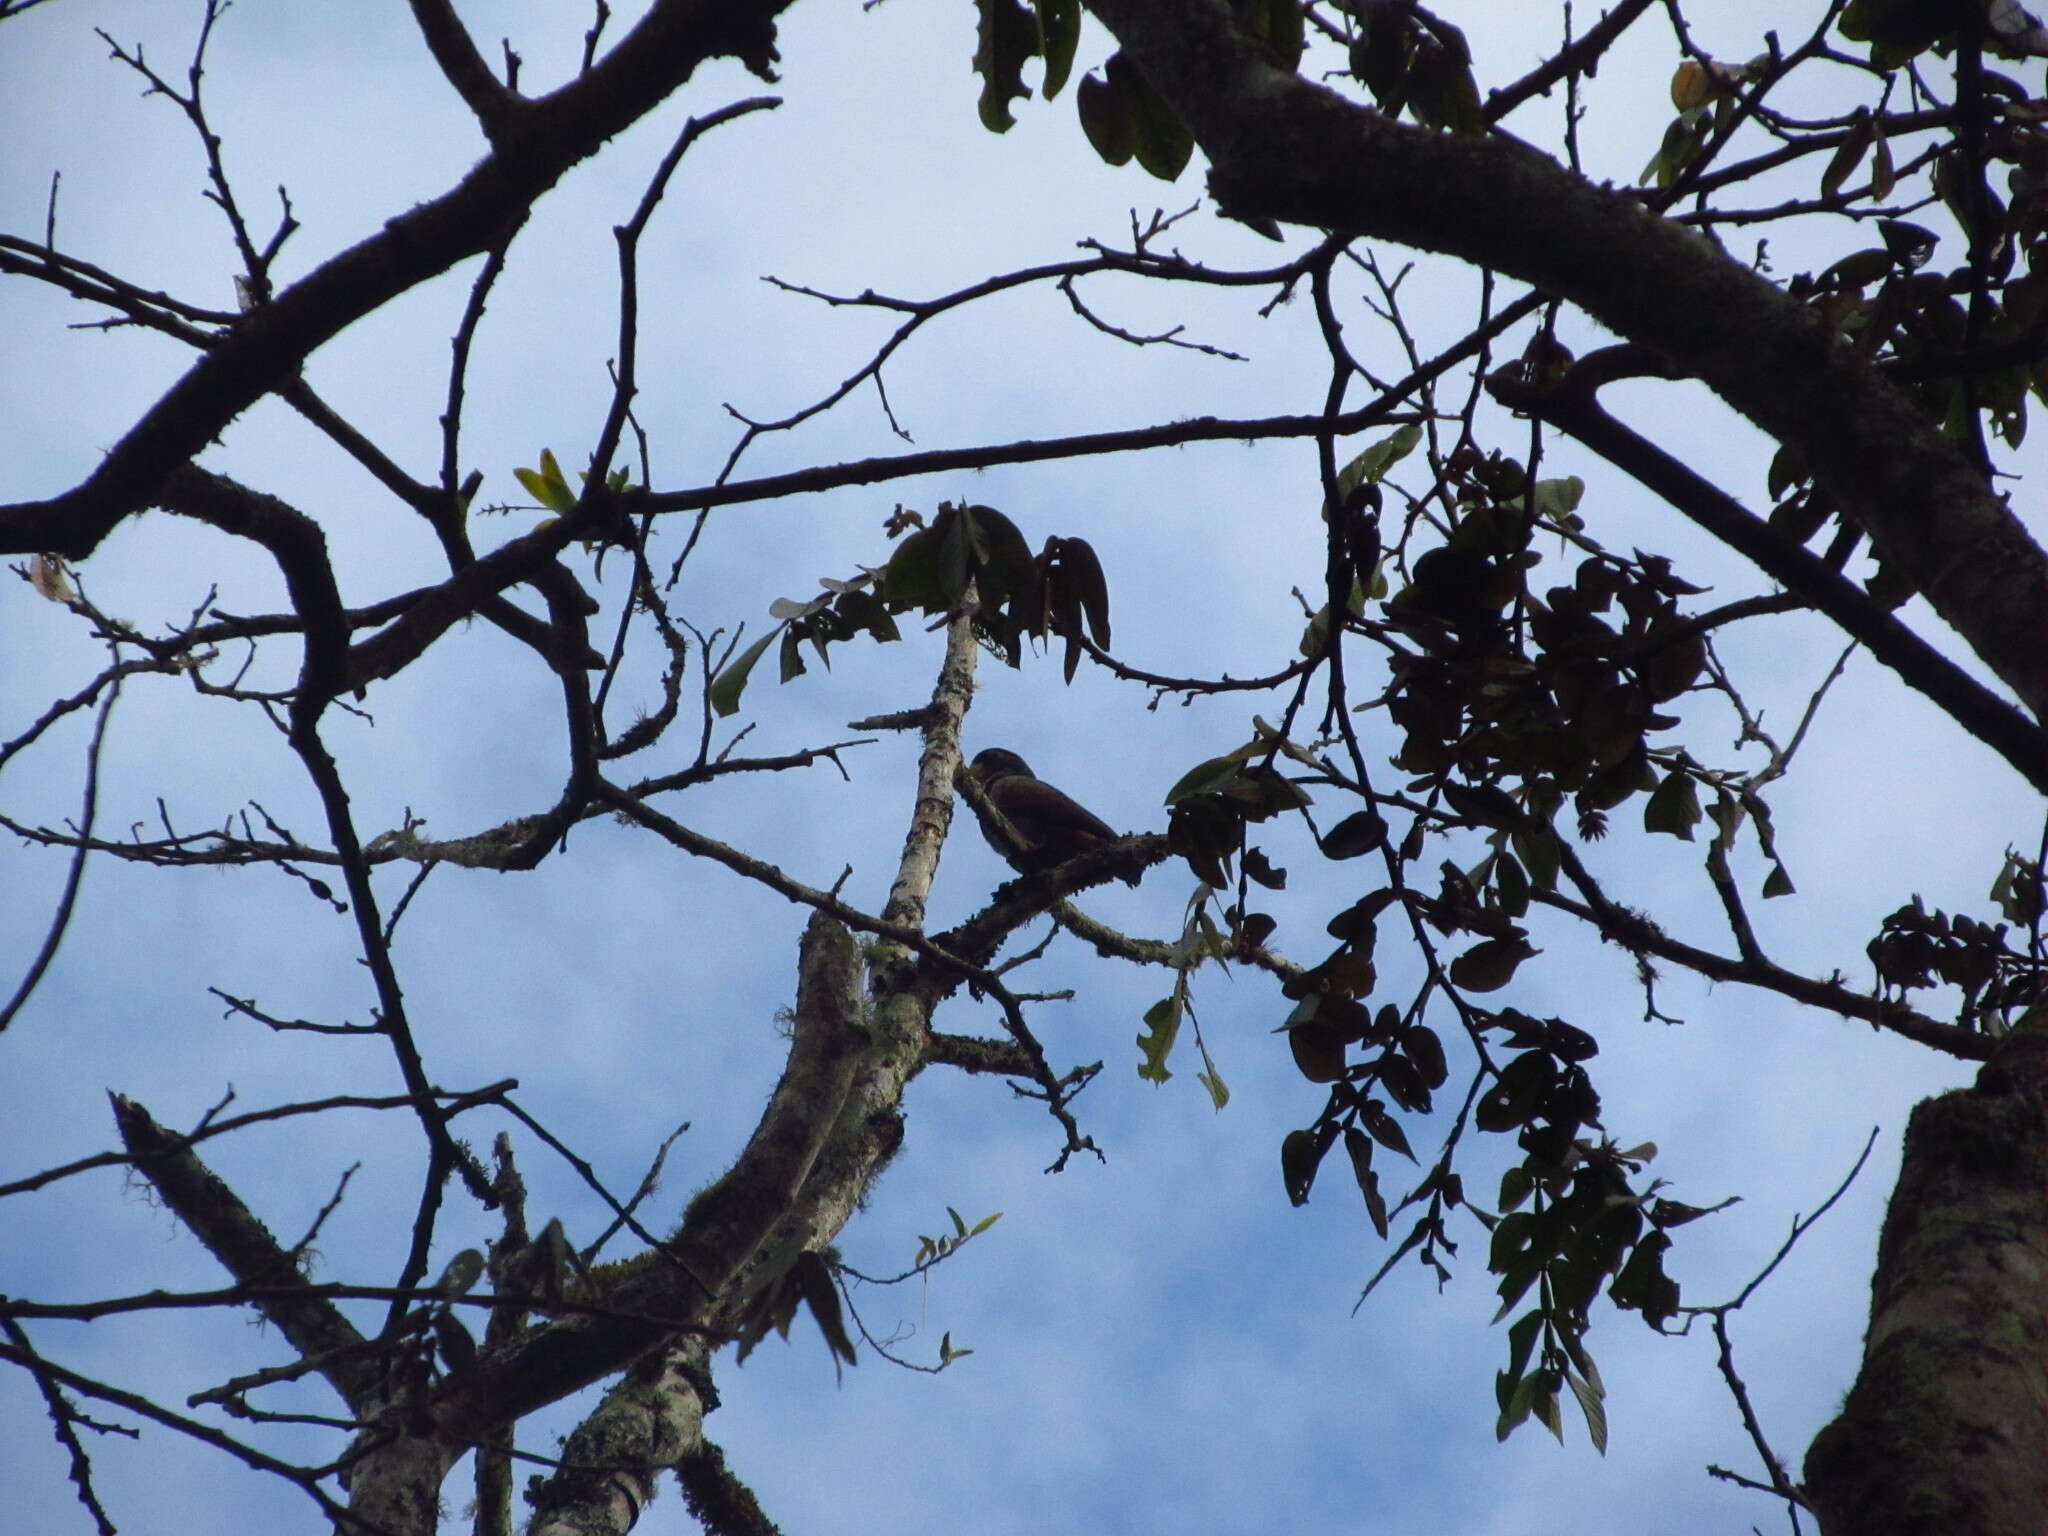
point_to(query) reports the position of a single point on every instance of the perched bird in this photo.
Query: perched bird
(1049, 827)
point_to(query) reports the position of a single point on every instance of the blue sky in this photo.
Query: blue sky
(1161, 1343)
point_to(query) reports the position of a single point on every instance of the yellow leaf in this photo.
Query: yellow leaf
(1692, 87)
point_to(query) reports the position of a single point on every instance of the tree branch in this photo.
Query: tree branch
(2020, 741)
(246, 1249)
(267, 345)
(1283, 148)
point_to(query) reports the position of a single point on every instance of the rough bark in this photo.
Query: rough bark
(245, 1247)
(1283, 148)
(1946, 1430)
(714, 1260)
(831, 1125)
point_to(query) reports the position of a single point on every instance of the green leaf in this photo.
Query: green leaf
(1301, 1153)
(1421, 1046)
(727, 687)
(1159, 139)
(1348, 973)
(1442, 91)
(1385, 1129)
(1642, 1284)
(1107, 118)
(1543, 1403)
(1522, 1335)
(1537, 848)
(1315, 635)
(1582, 1361)
(911, 580)
(2017, 890)
(1884, 175)
(1269, 735)
(557, 481)
(1008, 36)
(1082, 571)
(1674, 808)
(1515, 1094)
(1381, 54)
(1682, 140)
(1788, 472)
(1515, 1185)
(1059, 33)
(461, 1272)
(1263, 870)
(821, 1295)
(1670, 663)
(536, 486)
(865, 611)
(548, 486)
(1490, 964)
(956, 554)
(1359, 1147)
(457, 1346)
(1208, 778)
(1264, 792)
(1897, 29)
(792, 655)
(1519, 1394)
(1162, 1026)
(1376, 1206)
(1280, 26)
(1516, 1276)
(1487, 805)
(1666, 1214)
(1848, 155)
(1859, 269)
(1002, 558)
(1067, 595)
(1377, 458)
(1510, 884)
(1556, 500)
(1356, 924)
(1205, 833)
(1318, 1046)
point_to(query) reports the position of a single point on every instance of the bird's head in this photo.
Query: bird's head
(992, 763)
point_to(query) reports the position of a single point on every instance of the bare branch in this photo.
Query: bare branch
(498, 110)
(67, 899)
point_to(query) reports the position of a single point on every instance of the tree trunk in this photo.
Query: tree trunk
(1946, 1430)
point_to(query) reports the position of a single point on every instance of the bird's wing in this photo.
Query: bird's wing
(1041, 812)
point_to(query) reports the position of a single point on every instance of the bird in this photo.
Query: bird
(1049, 827)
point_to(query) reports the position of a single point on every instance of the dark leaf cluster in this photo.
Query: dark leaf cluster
(1418, 63)
(1058, 593)
(1917, 949)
